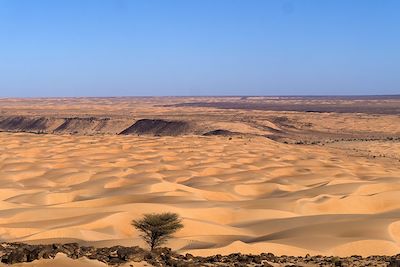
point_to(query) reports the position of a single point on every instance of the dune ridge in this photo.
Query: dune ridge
(235, 194)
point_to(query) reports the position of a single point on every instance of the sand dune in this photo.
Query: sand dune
(242, 194)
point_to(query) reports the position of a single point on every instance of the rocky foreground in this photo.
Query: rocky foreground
(11, 253)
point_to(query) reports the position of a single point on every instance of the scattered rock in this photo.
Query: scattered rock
(11, 253)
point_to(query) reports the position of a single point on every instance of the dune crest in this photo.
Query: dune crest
(235, 194)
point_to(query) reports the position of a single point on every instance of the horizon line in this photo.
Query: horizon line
(198, 96)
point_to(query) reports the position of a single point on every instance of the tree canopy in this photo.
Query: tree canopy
(157, 228)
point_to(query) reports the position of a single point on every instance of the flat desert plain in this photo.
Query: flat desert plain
(256, 174)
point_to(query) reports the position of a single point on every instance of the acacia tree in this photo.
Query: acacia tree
(157, 228)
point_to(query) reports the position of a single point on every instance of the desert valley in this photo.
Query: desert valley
(281, 175)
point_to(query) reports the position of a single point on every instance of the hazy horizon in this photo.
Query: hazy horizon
(199, 48)
(211, 96)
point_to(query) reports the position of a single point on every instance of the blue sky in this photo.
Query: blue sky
(199, 47)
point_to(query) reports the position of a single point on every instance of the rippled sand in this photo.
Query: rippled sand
(246, 194)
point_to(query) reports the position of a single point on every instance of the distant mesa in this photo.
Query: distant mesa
(56, 125)
(79, 125)
(98, 125)
(22, 123)
(26, 124)
(157, 127)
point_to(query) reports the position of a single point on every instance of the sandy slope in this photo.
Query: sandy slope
(248, 195)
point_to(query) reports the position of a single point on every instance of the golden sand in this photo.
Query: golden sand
(246, 195)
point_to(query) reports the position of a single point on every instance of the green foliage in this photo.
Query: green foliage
(157, 228)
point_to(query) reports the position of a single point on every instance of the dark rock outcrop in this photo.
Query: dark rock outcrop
(69, 125)
(25, 124)
(157, 127)
(82, 125)
(220, 132)
(11, 253)
(17, 252)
